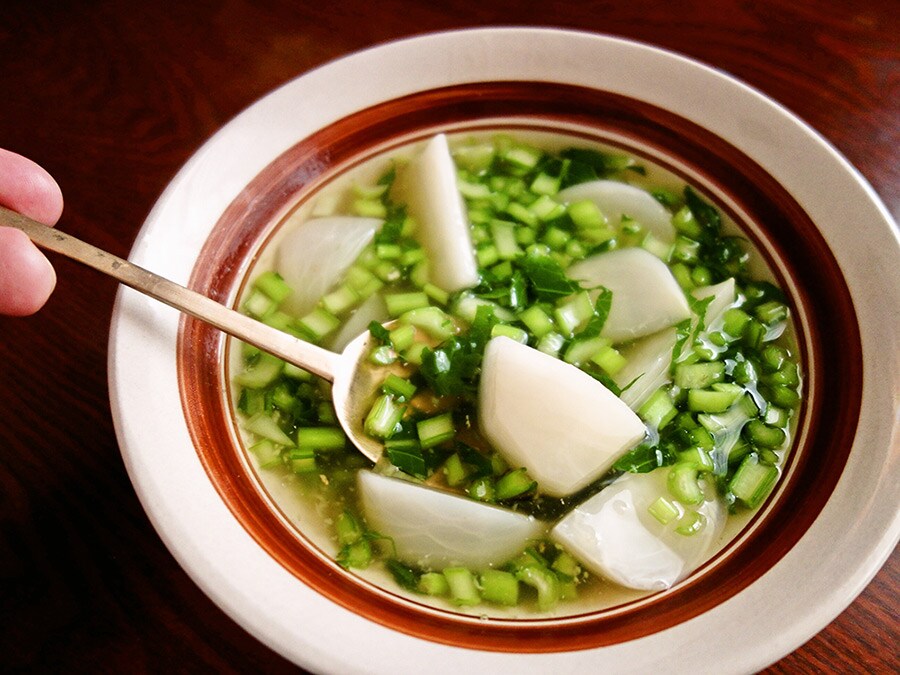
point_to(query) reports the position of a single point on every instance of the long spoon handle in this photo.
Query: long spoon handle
(319, 361)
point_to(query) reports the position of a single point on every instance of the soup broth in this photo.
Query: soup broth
(528, 272)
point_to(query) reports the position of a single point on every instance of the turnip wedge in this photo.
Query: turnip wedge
(648, 360)
(636, 534)
(314, 257)
(434, 202)
(434, 529)
(647, 365)
(373, 309)
(616, 199)
(723, 297)
(562, 425)
(646, 297)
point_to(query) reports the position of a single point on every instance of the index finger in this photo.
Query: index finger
(26, 187)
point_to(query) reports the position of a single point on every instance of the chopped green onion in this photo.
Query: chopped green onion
(474, 158)
(436, 293)
(433, 583)
(273, 285)
(388, 251)
(401, 303)
(556, 238)
(683, 483)
(455, 471)
(698, 457)
(547, 209)
(735, 321)
(537, 321)
(402, 337)
(340, 300)
(487, 255)
(481, 489)
(686, 250)
(582, 350)
(522, 213)
(545, 582)
(433, 320)
(566, 566)
(658, 410)
(297, 373)
(320, 438)
(261, 373)
(657, 247)
(699, 375)
(319, 323)
(784, 396)
(513, 484)
(369, 208)
(358, 278)
(499, 587)
(258, 304)
(384, 416)
(752, 481)
(573, 312)
(609, 360)
(586, 215)
(435, 430)
(551, 343)
(544, 184)
(523, 157)
(714, 400)
(691, 523)
(764, 435)
(504, 235)
(462, 586)
(663, 510)
(512, 332)
(402, 390)
(302, 461)
(686, 224)
(771, 312)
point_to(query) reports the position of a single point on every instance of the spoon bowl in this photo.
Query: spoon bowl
(353, 380)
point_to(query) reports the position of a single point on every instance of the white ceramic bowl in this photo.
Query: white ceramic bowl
(782, 591)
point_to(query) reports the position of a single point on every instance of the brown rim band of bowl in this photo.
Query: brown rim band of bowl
(827, 333)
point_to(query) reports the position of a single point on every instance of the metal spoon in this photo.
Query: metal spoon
(353, 383)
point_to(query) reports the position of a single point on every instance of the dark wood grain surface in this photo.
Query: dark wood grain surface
(112, 96)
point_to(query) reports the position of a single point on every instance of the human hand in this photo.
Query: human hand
(26, 276)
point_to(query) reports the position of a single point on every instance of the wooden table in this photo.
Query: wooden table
(112, 96)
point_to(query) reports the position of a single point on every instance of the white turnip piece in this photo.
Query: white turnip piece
(647, 365)
(646, 297)
(372, 309)
(314, 257)
(614, 534)
(557, 421)
(434, 202)
(615, 199)
(649, 359)
(434, 529)
(723, 297)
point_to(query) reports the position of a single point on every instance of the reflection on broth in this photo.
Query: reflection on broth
(591, 386)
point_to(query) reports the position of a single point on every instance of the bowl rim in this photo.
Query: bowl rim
(132, 315)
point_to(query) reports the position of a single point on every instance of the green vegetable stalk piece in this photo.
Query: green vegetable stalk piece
(500, 587)
(463, 589)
